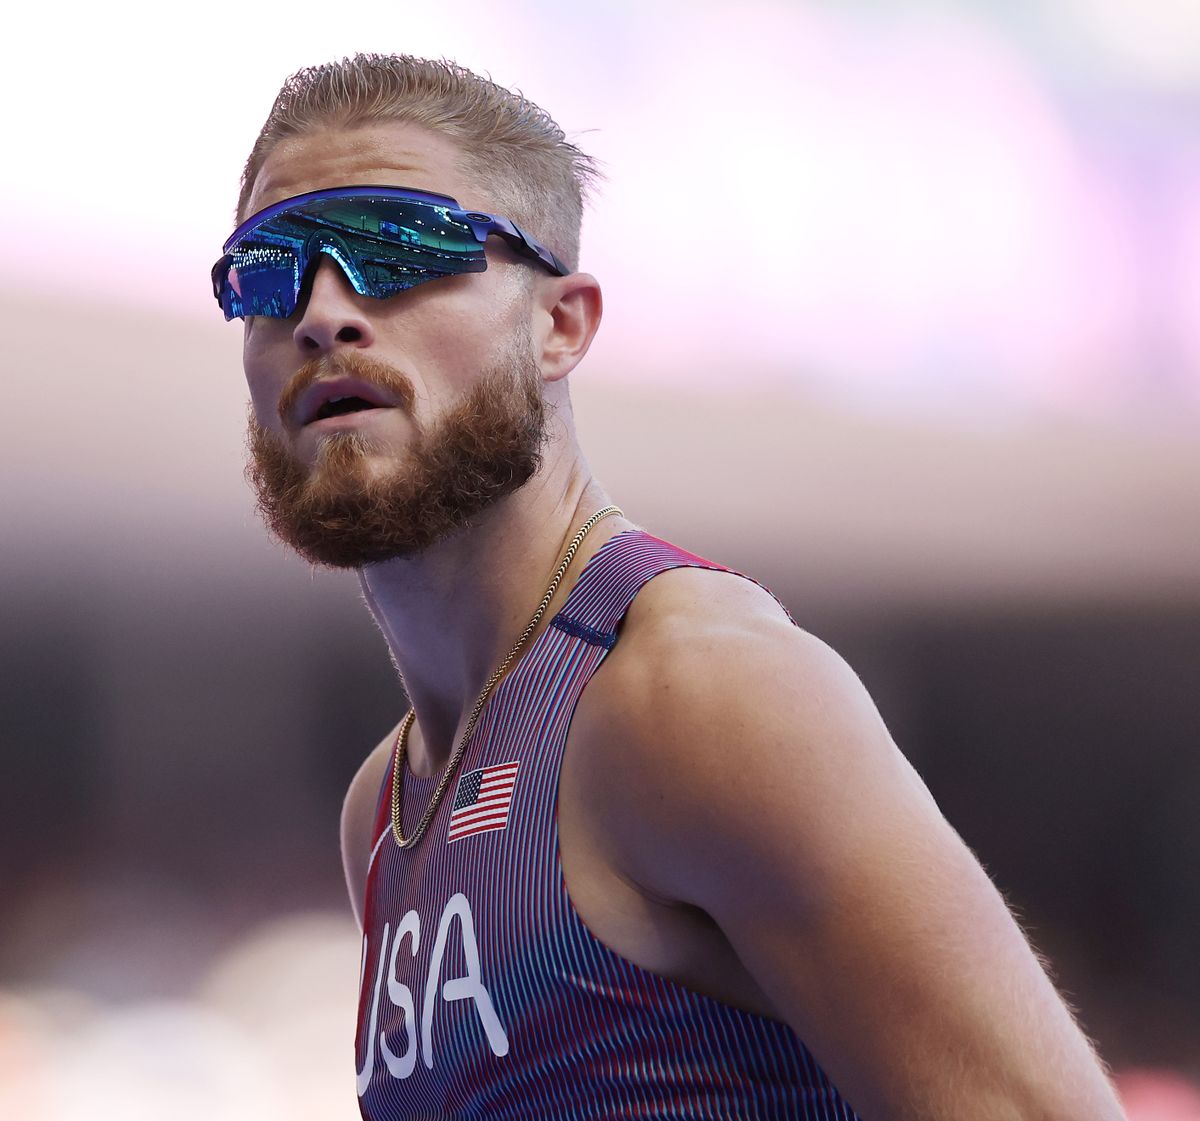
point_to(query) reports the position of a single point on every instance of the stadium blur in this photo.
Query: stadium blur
(902, 318)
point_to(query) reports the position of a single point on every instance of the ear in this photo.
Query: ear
(568, 312)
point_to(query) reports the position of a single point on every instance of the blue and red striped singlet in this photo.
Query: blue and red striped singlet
(484, 995)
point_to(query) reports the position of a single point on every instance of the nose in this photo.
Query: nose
(332, 314)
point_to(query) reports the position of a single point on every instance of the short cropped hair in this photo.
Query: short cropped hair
(511, 148)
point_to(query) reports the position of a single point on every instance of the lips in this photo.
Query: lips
(337, 396)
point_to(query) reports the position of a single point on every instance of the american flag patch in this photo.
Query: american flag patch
(482, 801)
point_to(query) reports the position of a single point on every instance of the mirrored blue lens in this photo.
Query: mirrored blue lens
(383, 245)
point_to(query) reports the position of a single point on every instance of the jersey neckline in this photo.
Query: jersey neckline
(500, 689)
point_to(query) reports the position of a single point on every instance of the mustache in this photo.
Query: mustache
(353, 364)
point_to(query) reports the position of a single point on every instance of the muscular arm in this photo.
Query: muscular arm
(358, 814)
(761, 785)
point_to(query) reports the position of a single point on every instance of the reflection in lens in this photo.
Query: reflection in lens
(383, 245)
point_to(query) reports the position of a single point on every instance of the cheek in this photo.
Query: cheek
(262, 376)
(440, 353)
(455, 347)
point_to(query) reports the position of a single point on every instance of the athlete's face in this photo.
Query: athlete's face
(450, 366)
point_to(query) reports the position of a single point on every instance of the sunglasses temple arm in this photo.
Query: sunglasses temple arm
(524, 244)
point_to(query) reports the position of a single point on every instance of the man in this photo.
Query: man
(642, 847)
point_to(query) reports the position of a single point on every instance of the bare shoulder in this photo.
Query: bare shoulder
(683, 598)
(687, 638)
(742, 768)
(358, 814)
(715, 693)
(700, 648)
(686, 631)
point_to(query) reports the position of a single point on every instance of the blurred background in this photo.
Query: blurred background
(903, 318)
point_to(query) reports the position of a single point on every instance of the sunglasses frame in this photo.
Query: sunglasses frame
(481, 225)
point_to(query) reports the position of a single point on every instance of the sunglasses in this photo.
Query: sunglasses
(385, 239)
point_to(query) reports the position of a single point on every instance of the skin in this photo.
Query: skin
(760, 839)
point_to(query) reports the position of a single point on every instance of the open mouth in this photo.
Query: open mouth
(340, 406)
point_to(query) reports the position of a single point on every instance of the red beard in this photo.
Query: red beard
(338, 515)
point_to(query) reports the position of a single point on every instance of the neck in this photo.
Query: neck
(451, 614)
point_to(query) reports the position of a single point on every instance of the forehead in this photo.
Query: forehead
(388, 153)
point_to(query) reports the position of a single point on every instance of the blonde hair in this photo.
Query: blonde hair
(512, 149)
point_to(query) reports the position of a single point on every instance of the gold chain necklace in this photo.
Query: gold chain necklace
(402, 736)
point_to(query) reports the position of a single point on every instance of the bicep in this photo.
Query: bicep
(805, 834)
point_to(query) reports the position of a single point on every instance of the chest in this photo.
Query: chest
(512, 935)
(514, 894)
